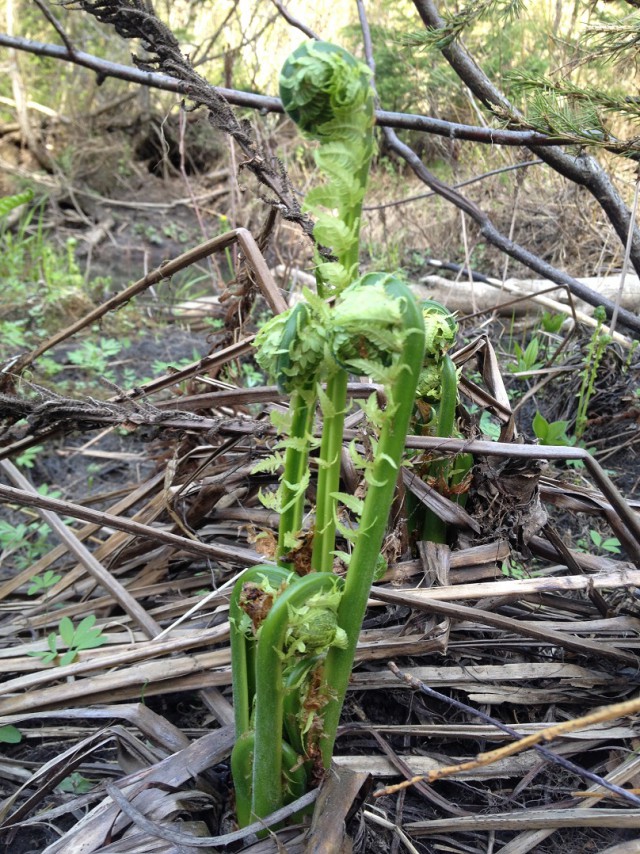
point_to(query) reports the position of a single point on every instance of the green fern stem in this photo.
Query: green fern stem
(292, 494)
(380, 492)
(329, 471)
(595, 351)
(294, 777)
(267, 793)
(243, 647)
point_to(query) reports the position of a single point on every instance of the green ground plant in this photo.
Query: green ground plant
(75, 784)
(95, 355)
(593, 358)
(38, 278)
(24, 543)
(552, 323)
(606, 544)
(40, 583)
(526, 359)
(63, 647)
(10, 734)
(551, 432)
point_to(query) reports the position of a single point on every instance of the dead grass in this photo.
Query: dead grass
(528, 630)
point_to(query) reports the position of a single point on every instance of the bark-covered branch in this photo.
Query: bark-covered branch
(582, 169)
(265, 103)
(487, 228)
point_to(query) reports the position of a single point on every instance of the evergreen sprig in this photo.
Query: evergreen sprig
(455, 23)
(613, 40)
(562, 108)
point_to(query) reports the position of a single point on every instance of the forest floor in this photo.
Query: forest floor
(529, 617)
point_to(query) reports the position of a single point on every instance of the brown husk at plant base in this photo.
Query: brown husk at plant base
(532, 649)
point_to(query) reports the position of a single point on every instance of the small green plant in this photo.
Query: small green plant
(75, 784)
(14, 334)
(27, 459)
(552, 323)
(610, 544)
(527, 359)
(74, 640)
(25, 543)
(593, 358)
(94, 356)
(10, 734)
(437, 398)
(512, 568)
(39, 583)
(490, 426)
(551, 432)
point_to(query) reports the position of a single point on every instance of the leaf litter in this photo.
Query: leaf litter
(512, 633)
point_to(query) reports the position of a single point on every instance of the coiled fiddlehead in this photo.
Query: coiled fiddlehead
(328, 94)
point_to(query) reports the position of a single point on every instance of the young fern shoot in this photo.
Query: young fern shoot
(389, 347)
(328, 93)
(294, 638)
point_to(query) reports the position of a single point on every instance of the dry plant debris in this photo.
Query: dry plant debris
(144, 719)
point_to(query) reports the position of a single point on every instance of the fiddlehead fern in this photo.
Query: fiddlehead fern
(291, 349)
(399, 369)
(276, 620)
(328, 94)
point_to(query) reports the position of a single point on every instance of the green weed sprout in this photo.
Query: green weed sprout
(595, 353)
(83, 636)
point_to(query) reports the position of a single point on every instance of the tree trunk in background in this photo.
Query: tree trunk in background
(29, 137)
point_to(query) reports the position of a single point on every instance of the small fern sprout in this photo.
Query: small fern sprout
(438, 389)
(290, 347)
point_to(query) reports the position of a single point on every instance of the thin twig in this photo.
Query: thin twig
(548, 734)
(627, 257)
(466, 183)
(294, 22)
(55, 23)
(266, 103)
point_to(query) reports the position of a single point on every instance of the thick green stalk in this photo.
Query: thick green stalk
(329, 472)
(382, 483)
(270, 690)
(242, 647)
(295, 467)
(242, 772)
(295, 775)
